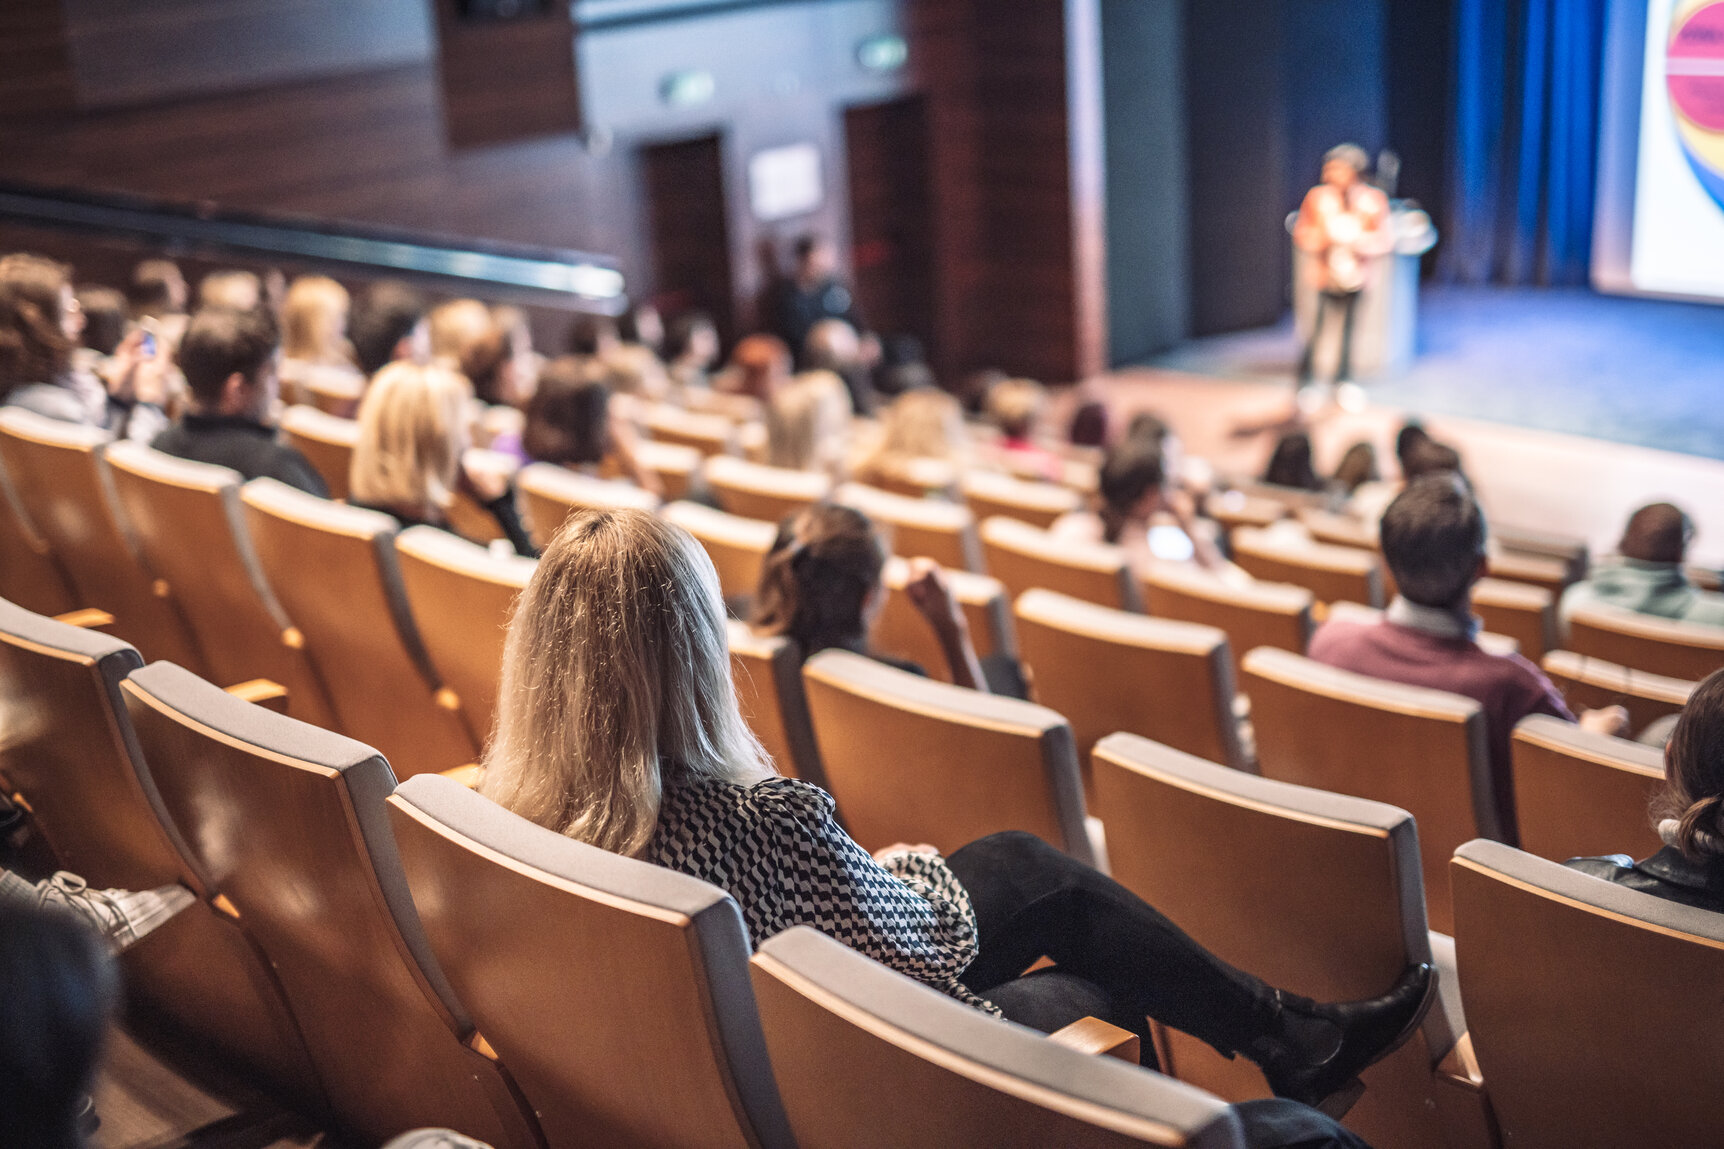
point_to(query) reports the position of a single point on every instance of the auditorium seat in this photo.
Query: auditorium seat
(1592, 683)
(1553, 574)
(327, 441)
(768, 674)
(866, 1057)
(1685, 650)
(917, 478)
(1108, 670)
(910, 760)
(919, 528)
(333, 392)
(900, 630)
(1569, 550)
(1039, 504)
(737, 408)
(549, 494)
(1234, 509)
(1024, 558)
(1314, 892)
(616, 991)
(335, 571)
(1259, 614)
(1580, 794)
(462, 598)
(1589, 1005)
(30, 576)
(190, 527)
(69, 751)
(675, 465)
(708, 434)
(292, 820)
(467, 515)
(755, 491)
(737, 546)
(1338, 530)
(1331, 573)
(61, 478)
(1422, 750)
(1524, 612)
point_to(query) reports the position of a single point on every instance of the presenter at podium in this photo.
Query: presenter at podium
(1345, 226)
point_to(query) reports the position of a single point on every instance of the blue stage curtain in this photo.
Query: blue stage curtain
(1524, 152)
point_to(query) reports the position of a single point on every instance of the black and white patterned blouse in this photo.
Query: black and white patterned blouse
(774, 848)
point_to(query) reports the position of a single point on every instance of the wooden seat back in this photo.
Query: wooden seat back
(1583, 1007)
(291, 820)
(737, 546)
(60, 473)
(30, 576)
(756, 491)
(676, 466)
(1553, 574)
(1317, 893)
(335, 571)
(327, 442)
(708, 434)
(1109, 670)
(190, 528)
(1331, 573)
(1685, 650)
(550, 494)
(901, 631)
(846, 1032)
(518, 915)
(911, 760)
(1580, 794)
(462, 598)
(1038, 504)
(1422, 750)
(1024, 558)
(768, 675)
(470, 518)
(920, 528)
(1260, 614)
(1524, 612)
(70, 752)
(1592, 683)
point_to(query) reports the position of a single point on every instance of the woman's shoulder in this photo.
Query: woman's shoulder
(770, 798)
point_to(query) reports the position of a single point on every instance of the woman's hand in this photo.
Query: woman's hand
(134, 375)
(905, 848)
(930, 594)
(1611, 720)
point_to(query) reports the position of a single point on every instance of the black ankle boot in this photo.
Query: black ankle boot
(1314, 1052)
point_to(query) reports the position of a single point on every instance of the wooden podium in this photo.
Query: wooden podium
(1385, 329)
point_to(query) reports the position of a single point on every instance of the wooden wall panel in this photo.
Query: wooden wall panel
(35, 71)
(507, 80)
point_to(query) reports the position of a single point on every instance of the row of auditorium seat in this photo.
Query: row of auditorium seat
(393, 956)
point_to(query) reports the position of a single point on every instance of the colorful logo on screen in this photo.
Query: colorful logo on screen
(1694, 72)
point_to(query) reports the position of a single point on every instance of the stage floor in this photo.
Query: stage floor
(1638, 371)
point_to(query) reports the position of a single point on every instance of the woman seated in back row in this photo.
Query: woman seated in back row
(618, 726)
(573, 422)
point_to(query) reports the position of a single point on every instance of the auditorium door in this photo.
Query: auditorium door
(684, 184)
(891, 224)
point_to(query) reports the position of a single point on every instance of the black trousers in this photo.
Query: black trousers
(1348, 302)
(1117, 958)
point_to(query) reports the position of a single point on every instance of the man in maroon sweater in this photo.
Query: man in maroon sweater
(1433, 538)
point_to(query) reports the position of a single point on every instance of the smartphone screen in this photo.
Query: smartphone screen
(149, 345)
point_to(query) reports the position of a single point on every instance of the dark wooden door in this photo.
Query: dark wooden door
(890, 222)
(684, 184)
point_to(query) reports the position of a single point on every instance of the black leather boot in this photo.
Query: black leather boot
(1314, 1052)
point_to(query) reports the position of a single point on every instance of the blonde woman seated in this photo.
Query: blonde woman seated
(316, 358)
(922, 445)
(412, 433)
(808, 424)
(618, 726)
(573, 422)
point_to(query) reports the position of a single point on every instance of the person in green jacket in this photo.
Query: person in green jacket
(1646, 575)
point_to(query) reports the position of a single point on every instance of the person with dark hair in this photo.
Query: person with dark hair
(1419, 454)
(60, 989)
(821, 586)
(1290, 464)
(1089, 425)
(834, 345)
(691, 348)
(1646, 575)
(812, 292)
(388, 323)
(1690, 812)
(903, 367)
(591, 334)
(158, 290)
(642, 326)
(570, 423)
(1433, 538)
(1357, 467)
(105, 317)
(229, 361)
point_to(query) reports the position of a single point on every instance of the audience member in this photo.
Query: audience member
(821, 586)
(231, 288)
(105, 320)
(229, 361)
(811, 293)
(158, 290)
(1433, 539)
(1419, 454)
(1646, 574)
(903, 367)
(691, 349)
(570, 422)
(1690, 867)
(1358, 466)
(407, 464)
(1015, 407)
(759, 365)
(643, 326)
(916, 427)
(1290, 464)
(388, 323)
(808, 424)
(511, 383)
(1089, 425)
(651, 758)
(833, 345)
(591, 334)
(40, 325)
(315, 353)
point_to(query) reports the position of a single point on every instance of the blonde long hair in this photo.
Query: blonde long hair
(314, 322)
(412, 430)
(616, 683)
(920, 424)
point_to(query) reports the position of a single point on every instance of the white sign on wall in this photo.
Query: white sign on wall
(785, 182)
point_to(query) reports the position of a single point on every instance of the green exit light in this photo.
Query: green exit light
(883, 53)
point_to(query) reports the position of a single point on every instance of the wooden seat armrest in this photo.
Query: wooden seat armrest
(262, 692)
(468, 775)
(87, 619)
(1096, 1037)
